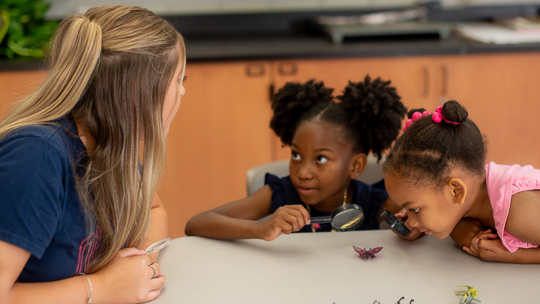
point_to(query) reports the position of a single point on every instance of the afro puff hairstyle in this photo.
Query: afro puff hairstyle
(370, 112)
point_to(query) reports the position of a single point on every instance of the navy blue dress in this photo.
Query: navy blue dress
(369, 197)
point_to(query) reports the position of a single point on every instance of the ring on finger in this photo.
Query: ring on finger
(154, 269)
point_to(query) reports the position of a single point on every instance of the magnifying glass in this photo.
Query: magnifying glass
(157, 246)
(395, 223)
(343, 218)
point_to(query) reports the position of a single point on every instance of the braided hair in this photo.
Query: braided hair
(370, 112)
(427, 151)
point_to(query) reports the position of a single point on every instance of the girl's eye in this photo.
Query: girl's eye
(295, 156)
(415, 210)
(322, 159)
(182, 80)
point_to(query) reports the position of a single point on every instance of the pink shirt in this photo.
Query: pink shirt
(502, 182)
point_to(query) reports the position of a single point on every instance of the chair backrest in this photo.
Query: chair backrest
(255, 176)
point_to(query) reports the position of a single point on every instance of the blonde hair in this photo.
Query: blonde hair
(111, 68)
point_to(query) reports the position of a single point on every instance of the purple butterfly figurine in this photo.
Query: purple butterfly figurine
(365, 254)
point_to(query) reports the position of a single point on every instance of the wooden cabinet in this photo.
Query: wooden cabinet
(15, 85)
(221, 130)
(500, 91)
(222, 127)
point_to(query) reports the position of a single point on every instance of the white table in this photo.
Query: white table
(324, 268)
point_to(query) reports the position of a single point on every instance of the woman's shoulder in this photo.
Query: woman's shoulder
(56, 137)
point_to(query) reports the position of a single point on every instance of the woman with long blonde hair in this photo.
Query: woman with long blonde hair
(80, 161)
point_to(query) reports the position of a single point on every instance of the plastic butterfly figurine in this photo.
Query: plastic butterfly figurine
(365, 254)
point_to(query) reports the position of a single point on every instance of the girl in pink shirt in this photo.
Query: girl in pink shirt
(437, 173)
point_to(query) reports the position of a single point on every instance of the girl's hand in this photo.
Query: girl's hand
(415, 233)
(286, 219)
(494, 250)
(474, 247)
(127, 279)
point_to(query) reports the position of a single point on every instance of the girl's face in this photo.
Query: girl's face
(433, 211)
(175, 92)
(320, 167)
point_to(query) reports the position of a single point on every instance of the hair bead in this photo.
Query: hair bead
(416, 116)
(437, 116)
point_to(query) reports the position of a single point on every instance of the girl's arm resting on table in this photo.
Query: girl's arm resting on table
(239, 219)
(158, 229)
(126, 279)
(466, 230)
(494, 251)
(522, 223)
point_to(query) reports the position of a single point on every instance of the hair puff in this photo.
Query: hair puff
(292, 101)
(375, 111)
(454, 112)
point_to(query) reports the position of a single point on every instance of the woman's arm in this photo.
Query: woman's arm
(12, 261)
(239, 219)
(159, 227)
(126, 279)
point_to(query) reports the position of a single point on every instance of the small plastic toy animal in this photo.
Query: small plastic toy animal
(365, 254)
(469, 295)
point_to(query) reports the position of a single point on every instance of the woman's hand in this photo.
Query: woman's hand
(286, 219)
(128, 278)
(415, 233)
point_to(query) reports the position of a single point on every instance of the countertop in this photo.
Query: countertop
(296, 47)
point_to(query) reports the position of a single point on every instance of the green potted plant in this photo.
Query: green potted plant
(24, 31)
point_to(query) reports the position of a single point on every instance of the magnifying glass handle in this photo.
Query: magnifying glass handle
(320, 219)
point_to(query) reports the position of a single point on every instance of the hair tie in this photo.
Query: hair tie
(452, 122)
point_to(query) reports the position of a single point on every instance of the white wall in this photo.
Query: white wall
(62, 8)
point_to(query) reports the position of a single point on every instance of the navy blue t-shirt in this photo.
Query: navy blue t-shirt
(40, 210)
(369, 197)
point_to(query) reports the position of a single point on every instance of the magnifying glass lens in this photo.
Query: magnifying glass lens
(348, 219)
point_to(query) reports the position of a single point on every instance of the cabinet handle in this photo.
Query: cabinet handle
(444, 87)
(287, 69)
(255, 70)
(271, 89)
(426, 81)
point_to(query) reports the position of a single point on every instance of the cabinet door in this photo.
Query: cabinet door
(16, 85)
(412, 76)
(221, 130)
(501, 95)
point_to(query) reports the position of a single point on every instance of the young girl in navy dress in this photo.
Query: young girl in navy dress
(437, 173)
(329, 143)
